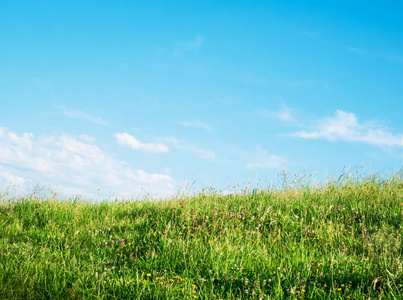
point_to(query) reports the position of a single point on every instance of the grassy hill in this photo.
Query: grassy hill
(342, 240)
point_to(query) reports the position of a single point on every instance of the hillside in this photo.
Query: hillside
(341, 240)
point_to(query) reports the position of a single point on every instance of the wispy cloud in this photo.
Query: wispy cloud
(197, 124)
(262, 159)
(345, 126)
(193, 45)
(284, 114)
(129, 140)
(86, 138)
(384, 56)
(78, 114)
(182, 145)
(73, 167)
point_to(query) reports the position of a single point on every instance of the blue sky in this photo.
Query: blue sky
(123, 98)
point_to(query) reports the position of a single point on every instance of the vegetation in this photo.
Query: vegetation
(339, 240)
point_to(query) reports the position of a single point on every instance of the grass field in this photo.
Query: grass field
(339, 240)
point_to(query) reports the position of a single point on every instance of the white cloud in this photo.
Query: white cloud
(73, 166)
(193, 45)
(345, 126)
(129, 140)
(284, 114)
(78, 114)
(261, 159)
(197, 124)
(182, 145)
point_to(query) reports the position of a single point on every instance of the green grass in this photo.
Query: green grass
(340, 240)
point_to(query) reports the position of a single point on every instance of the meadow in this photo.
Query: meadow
(341, 239)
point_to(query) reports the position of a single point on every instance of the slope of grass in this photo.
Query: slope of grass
(339, 241)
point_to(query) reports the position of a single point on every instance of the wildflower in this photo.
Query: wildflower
(86, 249)
(82, 252)
(131, 253)
(164, 233)
(342, 250)
(148, 274)
(112, 242)
(122, 240)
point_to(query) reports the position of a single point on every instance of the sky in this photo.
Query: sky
(121, 99)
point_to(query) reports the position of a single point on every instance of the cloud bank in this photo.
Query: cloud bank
(73, 167)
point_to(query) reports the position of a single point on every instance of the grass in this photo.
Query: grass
(339, 240)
